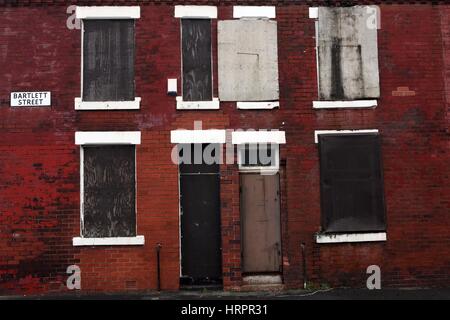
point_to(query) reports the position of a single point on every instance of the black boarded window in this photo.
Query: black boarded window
(108, 60)
(196, 56)
(351, 183)
(109, 191)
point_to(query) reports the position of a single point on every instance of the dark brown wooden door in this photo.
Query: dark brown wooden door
(260, 216)
(201, 255)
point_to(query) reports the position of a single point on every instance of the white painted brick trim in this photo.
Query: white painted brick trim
(119, 241)
(198, 136)
(351, 237)
(197, 105)
(107, 105)
(319, 132)
(254, 12)
(107, 137)
(249, 137)
(108, 12)
(314, 13)
(258, 105)
(344, 104)
(198, 12)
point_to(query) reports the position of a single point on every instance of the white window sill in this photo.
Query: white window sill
(119, 241)
(107, 105)
(344, 104)
(197, 105)
(258, 105)
(351, 237)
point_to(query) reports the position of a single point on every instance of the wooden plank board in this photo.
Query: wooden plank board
(260, 216)
(351, 183)
(108, 60)
(196, 53)
(109, 191)
(347, 54)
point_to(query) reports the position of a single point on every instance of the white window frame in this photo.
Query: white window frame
(105, 12)
(322, 104)
(93, 138)
(347, 237)
(258, 169)
(196, 12)
(255, 139)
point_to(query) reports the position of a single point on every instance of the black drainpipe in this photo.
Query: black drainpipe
(305, 278)
(158, 267)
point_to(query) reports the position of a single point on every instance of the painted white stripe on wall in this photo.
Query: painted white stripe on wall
(107, 105)
(108, 12)
(351, 237)
(258, 105)
(254, 12)
(107, 137)
(198, 136)
(197, 105)
(344, 104)
(119, 241)
(199, 12)
(319, 132)
(248, 137)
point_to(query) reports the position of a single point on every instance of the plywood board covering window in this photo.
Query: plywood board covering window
(351, 183)
(196, 53)
(248, 60)
(347, 54)
(108, 60)
(109, 191)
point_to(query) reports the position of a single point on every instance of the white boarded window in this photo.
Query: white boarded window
(248, 60)
(347, 53)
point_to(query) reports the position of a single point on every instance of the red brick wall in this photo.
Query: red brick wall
(39, 163)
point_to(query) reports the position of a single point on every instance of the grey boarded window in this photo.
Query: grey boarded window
(248, 60)
(109, 191)
(347, 54)
(351, 183)
(108, 60)
(196, 56)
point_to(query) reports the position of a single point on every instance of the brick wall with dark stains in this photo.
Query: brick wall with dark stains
(39, 163)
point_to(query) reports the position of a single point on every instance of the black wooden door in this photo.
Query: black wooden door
(200, 224)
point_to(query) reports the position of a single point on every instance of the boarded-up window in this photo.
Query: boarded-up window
(108, 60)
(109, 191)
(351, 183)
(248, 60)
(347, 54)
(196, 52)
